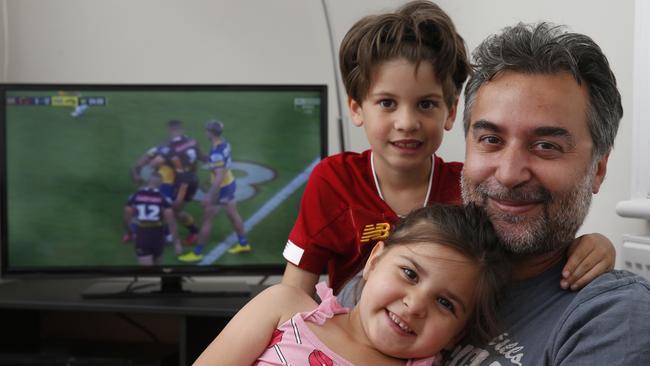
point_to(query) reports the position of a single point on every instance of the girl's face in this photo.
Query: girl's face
(417, 298)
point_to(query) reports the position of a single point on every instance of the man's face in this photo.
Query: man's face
(175, 131)
(529, 159)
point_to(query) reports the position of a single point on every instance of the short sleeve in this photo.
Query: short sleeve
(323, 221)
(217, 160)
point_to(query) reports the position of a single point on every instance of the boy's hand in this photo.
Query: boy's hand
(589, 256)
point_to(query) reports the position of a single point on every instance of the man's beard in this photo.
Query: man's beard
(552, 229)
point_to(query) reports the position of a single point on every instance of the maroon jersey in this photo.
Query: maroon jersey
(149, 205)
(342, 215)
(182, 153)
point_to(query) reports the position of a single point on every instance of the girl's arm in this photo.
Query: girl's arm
(589, 256)
(246, 336)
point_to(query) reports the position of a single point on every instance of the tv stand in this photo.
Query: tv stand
(49, 318)
(167, 286)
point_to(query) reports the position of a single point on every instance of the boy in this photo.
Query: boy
(403, 73)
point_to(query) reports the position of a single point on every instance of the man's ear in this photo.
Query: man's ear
(449, 123)
(373, 258)
(355, 111)
(601, 171)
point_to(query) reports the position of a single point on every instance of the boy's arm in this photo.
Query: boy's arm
(589, 256)
(247, 335)
(297, 277)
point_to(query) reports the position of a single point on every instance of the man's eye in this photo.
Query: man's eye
(387, 103)
(543, 145)
(446, 303)
(547, 150)
(410, 274)
(490, 139)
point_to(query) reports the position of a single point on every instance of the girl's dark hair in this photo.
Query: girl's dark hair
(468, 230)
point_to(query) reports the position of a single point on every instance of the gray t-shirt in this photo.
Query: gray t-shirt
(605, 323)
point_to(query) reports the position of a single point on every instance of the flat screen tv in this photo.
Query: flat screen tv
(69, 153)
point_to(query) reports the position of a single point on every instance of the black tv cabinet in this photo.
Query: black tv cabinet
(48, 322)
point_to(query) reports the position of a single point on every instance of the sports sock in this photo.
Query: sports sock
(242, 239)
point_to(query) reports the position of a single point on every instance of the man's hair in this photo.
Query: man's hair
(420, 32)
(544, 48)
(175, 124)
(468, 230)
(214, 126)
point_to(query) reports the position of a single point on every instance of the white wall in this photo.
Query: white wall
(283, 41)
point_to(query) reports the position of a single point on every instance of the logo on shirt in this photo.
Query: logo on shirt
(377, 231)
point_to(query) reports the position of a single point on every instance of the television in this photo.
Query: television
(67, 173)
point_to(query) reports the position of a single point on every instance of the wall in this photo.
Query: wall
(283, 41)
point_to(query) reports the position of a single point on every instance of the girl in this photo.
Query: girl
(432, 282)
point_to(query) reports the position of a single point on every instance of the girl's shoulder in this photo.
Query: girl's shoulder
(286, 301)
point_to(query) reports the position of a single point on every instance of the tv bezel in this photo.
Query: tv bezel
(179, 270)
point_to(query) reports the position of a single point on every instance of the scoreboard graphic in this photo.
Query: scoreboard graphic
(58, 101)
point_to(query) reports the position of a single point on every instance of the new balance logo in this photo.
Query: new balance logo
(377, 231)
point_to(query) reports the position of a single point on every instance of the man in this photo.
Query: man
(541, 114)
(151, 210)
(181, 153)
(165, 171)
(220, 194)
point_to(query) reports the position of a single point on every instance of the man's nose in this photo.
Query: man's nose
(512, 167)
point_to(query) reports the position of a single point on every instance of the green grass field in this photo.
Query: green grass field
(68, 178)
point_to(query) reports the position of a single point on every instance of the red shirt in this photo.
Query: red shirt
(342, 215)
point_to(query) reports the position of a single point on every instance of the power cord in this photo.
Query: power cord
(141, 327)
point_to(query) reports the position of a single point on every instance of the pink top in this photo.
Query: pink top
(293, 343)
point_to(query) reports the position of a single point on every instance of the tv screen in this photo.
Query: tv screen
(68, 172)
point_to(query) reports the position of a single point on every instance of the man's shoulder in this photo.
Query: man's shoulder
(608, 322)
(615, 292)
(608, 301)
(615, 285)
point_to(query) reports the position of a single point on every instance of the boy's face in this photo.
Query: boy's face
(404, 114)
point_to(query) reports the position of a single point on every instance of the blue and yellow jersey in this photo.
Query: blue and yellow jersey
(220, 158)
(166, 172)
